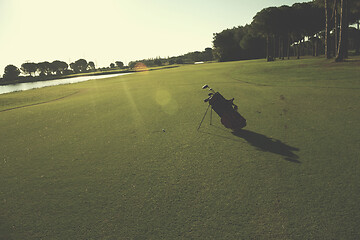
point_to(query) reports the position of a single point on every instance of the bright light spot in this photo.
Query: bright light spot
(162, 97)
(167, 103)
(170, 108)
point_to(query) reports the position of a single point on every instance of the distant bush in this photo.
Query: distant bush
(11, 72)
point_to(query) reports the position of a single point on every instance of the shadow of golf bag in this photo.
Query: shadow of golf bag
(226, 109)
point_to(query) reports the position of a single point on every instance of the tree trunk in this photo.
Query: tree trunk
(267, 47)
(357, 44)
(294, 50)
(298, 50)
(346, 29)
(313, 48)
(336, 34)
(274, 47)
(283, 47)
(344, 25)
(327, 30)
(279, 46)
(269, 56)
(288, 47)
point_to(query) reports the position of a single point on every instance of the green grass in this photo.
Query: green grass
(90, 160)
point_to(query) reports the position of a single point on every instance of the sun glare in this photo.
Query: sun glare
(167, 103)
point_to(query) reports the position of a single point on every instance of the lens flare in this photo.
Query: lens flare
(162, 97)
(167, 103)
(135, 111)
(141, 67)
(171, 108)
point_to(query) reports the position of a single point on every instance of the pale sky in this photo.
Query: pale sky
(105, 31)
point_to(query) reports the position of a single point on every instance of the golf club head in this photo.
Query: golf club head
(207, 99)
(210, 94)
(205, 86)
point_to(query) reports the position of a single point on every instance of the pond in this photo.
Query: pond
(40, 84)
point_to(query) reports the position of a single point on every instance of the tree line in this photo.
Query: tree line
(188, 58)
(310, 28)
(48, 70)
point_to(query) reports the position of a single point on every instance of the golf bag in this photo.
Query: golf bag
(226, 109)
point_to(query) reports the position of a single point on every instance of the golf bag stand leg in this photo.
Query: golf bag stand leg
(203, 117)
(211, 115)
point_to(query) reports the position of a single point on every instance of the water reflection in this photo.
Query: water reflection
(40, 84)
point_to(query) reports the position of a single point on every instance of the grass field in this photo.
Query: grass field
(90, 160)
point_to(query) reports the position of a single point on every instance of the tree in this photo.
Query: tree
(301, 19)
(91, 66)
(132, 64)
(240, 43)
(327, 29)
(284, 20)
(63, 67)
(285, 26)
(81, 65)
(354, 41)
(207, 54)
(29, 68)
(354, 17)
(44, 68)
(267, 22)
(314, 24)
(253, 45)
(74, 67)
(11, 72)
(226, 45)
(349, 14)
(179, 61)
(158, 62)
(343, 36)
(112, 65)
(59, 67)
(119, 64)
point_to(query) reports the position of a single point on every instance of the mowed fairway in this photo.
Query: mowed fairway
(91, 160)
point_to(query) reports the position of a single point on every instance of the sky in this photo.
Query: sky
(106, 31)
